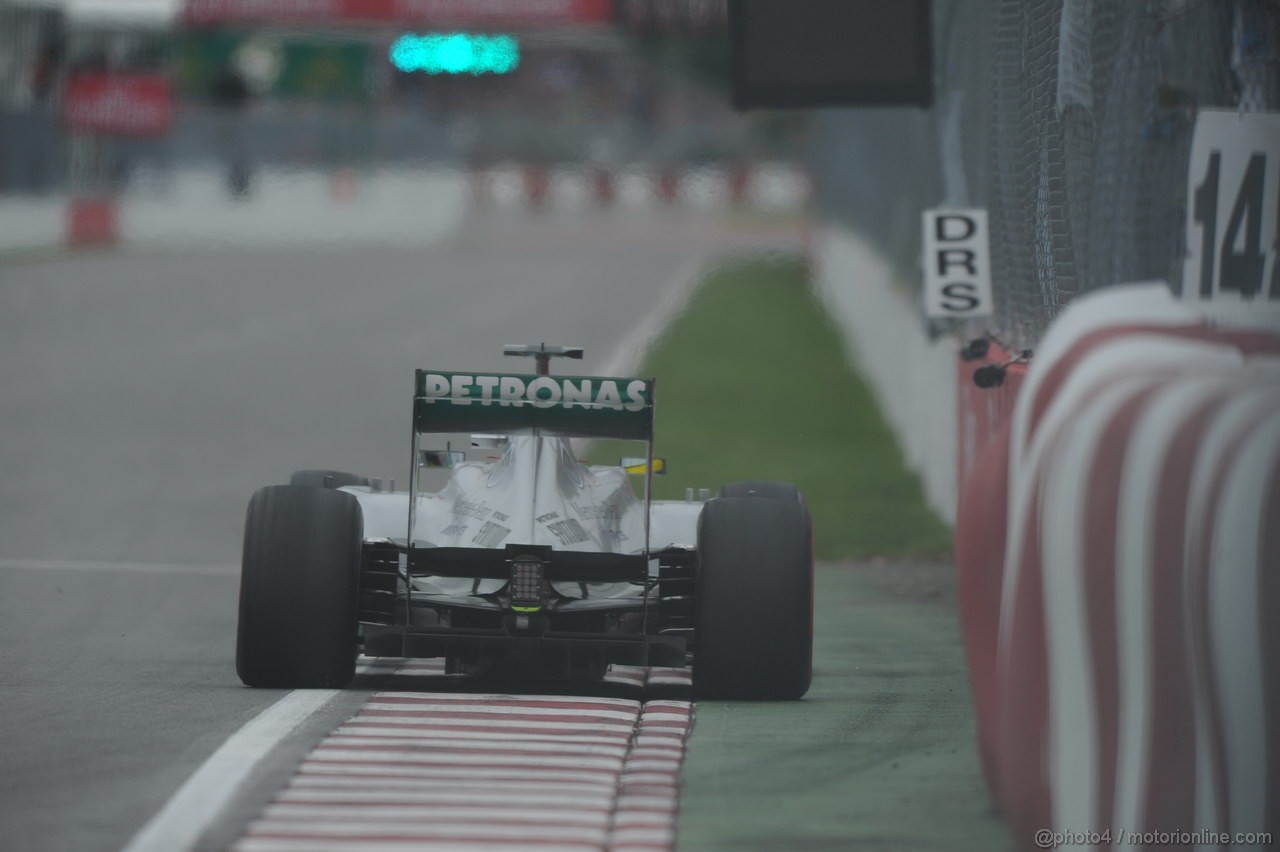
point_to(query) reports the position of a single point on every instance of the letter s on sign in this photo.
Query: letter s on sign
(635, 392)
(959, 297)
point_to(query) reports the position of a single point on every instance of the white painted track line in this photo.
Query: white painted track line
(312, 844)
(673, 298)
(194, 568)
(201, 800)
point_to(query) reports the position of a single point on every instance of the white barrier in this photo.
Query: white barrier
(282, 207)
(1137, 667)
(912, 376)
(764, 187)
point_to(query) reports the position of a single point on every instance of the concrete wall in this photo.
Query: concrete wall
(913, 378)
(284, 207)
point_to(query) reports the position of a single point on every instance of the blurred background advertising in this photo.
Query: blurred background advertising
(144, 119)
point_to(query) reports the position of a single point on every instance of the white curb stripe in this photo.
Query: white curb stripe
(473, 700)
(273, 844)
(418, 845)
(374, 708)
(461, 798)
(458, 830)
(339, 756)
(191, 569)
(493, 772)
(394, 732)
(430, 784)
(371, 745)
(436, 815)
(445, 722)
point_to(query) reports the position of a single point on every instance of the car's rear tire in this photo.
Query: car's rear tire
(299, 587)
(754, 609)
(768, 490)
(326, 479)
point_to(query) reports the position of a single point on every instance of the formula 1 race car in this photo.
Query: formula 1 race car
(529, 563)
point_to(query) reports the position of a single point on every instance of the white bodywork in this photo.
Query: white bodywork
(536, 493)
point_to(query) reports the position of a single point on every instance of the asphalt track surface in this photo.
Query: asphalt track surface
(146, 395)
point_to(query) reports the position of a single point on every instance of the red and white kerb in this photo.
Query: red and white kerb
(455, 771)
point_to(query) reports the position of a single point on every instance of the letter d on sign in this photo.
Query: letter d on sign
(953, 227)
(957, 264)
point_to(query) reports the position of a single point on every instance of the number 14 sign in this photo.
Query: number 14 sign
(1233, 210)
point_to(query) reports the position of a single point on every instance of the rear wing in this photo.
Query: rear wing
(572, 406)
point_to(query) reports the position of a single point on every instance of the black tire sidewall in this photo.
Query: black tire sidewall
(754, 609)
(299, 588)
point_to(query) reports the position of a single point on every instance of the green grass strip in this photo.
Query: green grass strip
(753, 384)
(880, 756)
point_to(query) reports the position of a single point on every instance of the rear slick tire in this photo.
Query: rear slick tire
(326, 478)
(299, 587)
(768, 490)
(754, 609)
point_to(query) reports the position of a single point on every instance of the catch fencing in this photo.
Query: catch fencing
(1070, 121)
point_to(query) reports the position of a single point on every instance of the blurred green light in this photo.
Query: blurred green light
(456, 53)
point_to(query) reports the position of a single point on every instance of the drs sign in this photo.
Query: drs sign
(957, 264)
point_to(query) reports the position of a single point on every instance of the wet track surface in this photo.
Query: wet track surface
(145, 397)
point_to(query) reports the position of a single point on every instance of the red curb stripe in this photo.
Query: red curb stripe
(515, 717)
(452, 840)
(509, 702)
(486, 772)
(622, 733)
